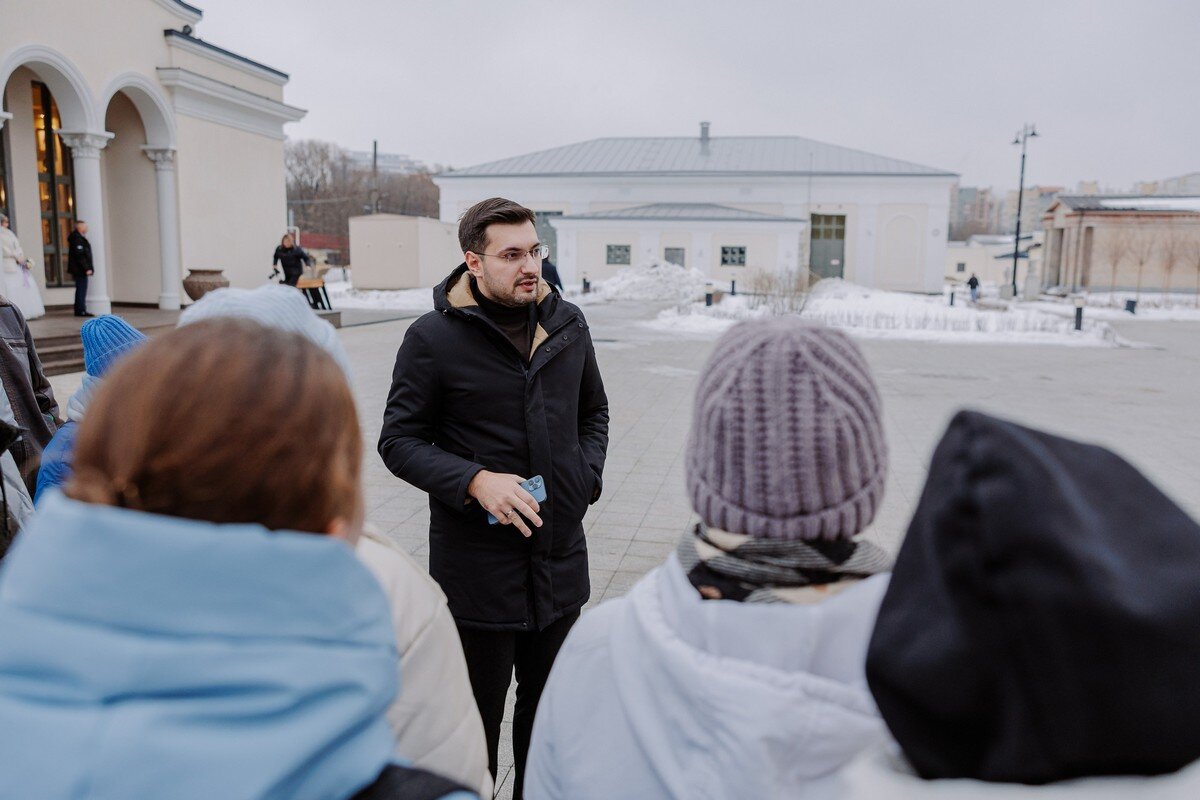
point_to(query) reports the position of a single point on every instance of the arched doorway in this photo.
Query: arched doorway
(40, 98)
(140, 195)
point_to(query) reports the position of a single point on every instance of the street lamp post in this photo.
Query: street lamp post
(1026, 132)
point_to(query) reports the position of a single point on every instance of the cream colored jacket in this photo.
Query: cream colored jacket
(10, 251)
(434, 716)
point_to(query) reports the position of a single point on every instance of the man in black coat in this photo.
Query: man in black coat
(79, 265)
(496, 385)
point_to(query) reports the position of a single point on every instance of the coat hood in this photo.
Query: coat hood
(1043, 619)
(732, 699)
(879, 773)
(148, 656)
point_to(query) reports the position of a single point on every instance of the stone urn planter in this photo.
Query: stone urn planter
(200, 282)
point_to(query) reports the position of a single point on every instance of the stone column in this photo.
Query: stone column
(168, 225)
(89, 207)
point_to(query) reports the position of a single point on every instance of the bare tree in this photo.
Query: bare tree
(780, 291)
(1192, 256)
(1143, 246)
(325, 189)
(1115, 248)
(1172, 250)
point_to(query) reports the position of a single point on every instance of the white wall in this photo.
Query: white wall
(865, 201)
(391, 251)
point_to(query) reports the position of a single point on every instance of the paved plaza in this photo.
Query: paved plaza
(1139, 401)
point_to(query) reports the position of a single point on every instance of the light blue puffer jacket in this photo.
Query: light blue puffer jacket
(149, 656)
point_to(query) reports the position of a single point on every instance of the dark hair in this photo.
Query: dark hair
(197, 424)
(285, 237)
(472, 228)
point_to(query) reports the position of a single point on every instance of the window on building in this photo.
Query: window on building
(962, 266)
(618, 254)
(674, 255)
(56, 189)
(733, 256)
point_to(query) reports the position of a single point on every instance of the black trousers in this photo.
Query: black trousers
(491, 658)
(81, 283)
(290, 276)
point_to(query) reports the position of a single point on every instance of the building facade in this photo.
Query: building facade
(727, 205)
(169, 147)
(1123, 242)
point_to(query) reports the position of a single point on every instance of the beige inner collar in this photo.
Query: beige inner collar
(460, 296)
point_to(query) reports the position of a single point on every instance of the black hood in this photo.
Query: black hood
(1043, 618)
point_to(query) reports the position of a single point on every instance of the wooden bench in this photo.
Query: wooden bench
(314, 290)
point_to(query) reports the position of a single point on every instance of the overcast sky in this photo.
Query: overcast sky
(1114, 86)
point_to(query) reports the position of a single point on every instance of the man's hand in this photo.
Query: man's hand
(503, 497)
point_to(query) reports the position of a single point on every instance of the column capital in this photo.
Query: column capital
(85, 144)
(163, 157)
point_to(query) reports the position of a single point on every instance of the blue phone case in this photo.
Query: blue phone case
(535, 486)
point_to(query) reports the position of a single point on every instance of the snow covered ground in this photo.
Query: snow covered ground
(343, 295)
(868, 313)
(879, 314)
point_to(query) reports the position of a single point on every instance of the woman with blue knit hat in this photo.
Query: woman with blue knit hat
(105, 340)
(736, 668)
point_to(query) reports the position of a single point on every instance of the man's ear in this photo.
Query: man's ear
(474, 264)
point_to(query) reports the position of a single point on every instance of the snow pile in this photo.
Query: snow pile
(343, 295)
(874, 313)
(654, 280)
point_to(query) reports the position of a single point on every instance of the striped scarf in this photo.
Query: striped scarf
(733, 566)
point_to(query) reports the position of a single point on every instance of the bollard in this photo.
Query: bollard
(708, 293)
(951, 297)
(1079, 303)
(732, 288)
(587, 285)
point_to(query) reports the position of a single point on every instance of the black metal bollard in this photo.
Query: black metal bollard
(708, 294)
(951, 297)
(732, 288)
(1078, 318)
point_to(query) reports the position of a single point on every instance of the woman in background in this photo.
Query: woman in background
(293, 258)
(20, 287)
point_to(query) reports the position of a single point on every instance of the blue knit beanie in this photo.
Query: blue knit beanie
(106, 339)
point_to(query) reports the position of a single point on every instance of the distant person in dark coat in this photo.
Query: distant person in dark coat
(973, 285)
(550, 275)
(79, 265)
(293, 258)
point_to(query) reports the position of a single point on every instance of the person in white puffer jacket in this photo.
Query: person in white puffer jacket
(735, 669)
(434, 717)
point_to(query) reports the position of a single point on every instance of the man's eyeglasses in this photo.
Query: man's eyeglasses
(517, 256)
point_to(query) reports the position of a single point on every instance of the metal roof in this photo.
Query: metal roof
(1132, 202)
(689, 155)
(707, 212)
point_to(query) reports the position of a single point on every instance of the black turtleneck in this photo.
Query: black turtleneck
(517, 322)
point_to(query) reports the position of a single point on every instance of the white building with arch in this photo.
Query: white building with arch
(170, 147)
(727, 205)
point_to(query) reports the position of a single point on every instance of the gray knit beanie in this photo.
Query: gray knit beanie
(787, 434)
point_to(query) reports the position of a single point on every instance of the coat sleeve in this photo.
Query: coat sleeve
(407, 442)
(42, 389)
(593, 418)
(55, 468)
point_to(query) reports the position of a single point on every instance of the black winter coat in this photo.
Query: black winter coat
(463, 400)
(79, 255)
(293, 259)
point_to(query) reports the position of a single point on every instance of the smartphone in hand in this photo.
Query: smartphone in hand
(535, 486)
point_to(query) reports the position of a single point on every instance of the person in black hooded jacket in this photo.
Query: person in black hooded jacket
(497, 385)
(293, 258)
(1042, 624)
